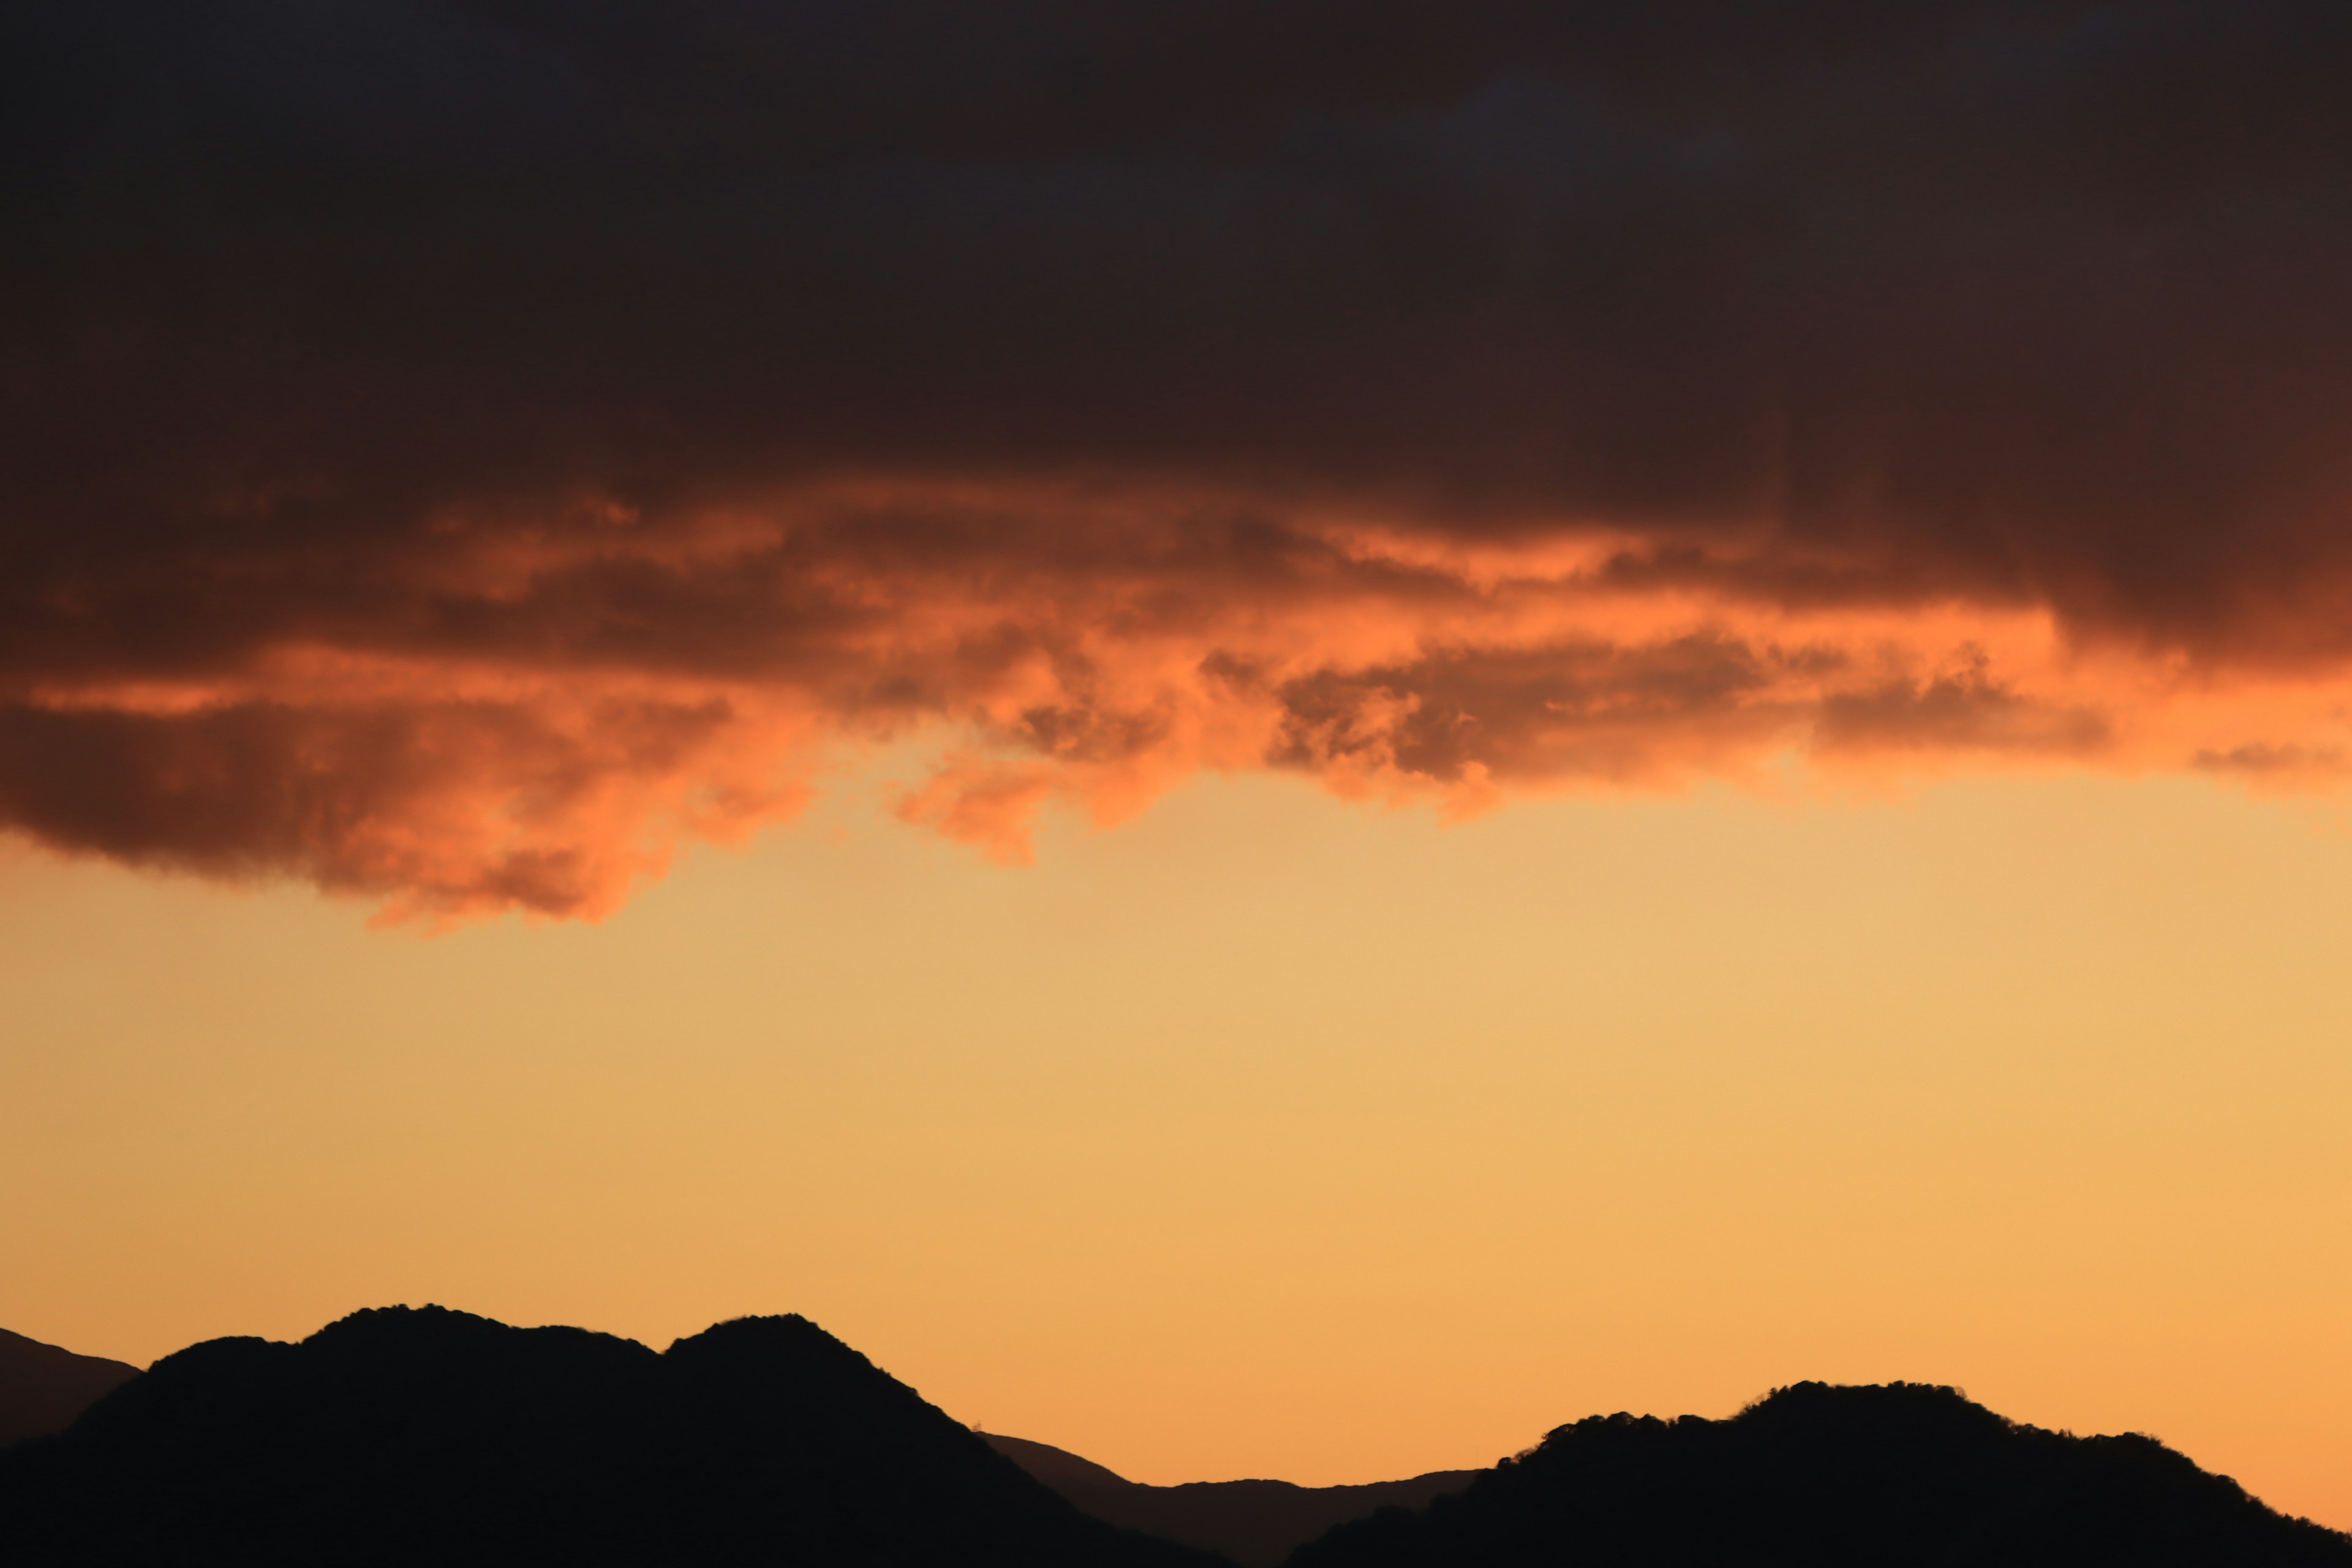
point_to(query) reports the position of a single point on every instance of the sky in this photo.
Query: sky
(1267, 734)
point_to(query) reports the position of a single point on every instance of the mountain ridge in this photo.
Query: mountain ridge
(1889, 1476)
(43, 1387)
(401, 1436)
(1256, 1522)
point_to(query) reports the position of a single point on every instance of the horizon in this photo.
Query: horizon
(1744, 1408)
(507, 1119)
(1272, 737)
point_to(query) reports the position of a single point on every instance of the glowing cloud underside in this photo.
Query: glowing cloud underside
(457, 453)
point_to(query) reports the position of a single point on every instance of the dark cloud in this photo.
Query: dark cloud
(1575, 709)
(440, 807)
(1500, 391)
(2262, 760)
(1963, 710)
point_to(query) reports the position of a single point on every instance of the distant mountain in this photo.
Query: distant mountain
(1255, 1524)
(43, 1388)
(1057, 1468)
(1904, 1476)
(400, 1437)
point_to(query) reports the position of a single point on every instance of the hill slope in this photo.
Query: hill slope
(43, 1388)
(1256, 1523)
(1905, 1475)
(407, 1436)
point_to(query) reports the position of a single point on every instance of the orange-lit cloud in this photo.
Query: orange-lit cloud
(455, 452)
(612, 700)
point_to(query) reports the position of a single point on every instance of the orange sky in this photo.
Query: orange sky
(1271, 736)
(1266, 1134)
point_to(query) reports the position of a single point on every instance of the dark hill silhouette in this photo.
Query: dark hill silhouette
(1255, 1524)
(399, 1438)
(1057, 1468)
(1905, 1475)
(43, 1388)
(421, 1437)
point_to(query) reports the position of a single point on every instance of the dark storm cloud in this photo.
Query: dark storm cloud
(1040, 368)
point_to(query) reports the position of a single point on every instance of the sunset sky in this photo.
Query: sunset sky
(1273, 737)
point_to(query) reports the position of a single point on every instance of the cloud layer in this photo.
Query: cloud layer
(453, 451)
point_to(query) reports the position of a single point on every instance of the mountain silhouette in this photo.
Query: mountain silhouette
(43, 1388)
(402, 1436)
(415, 1436)
(1255, 1524)
(1057, 1468)
(1902, 1476)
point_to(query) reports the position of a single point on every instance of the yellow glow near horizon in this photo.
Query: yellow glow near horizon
(1269, 1136)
